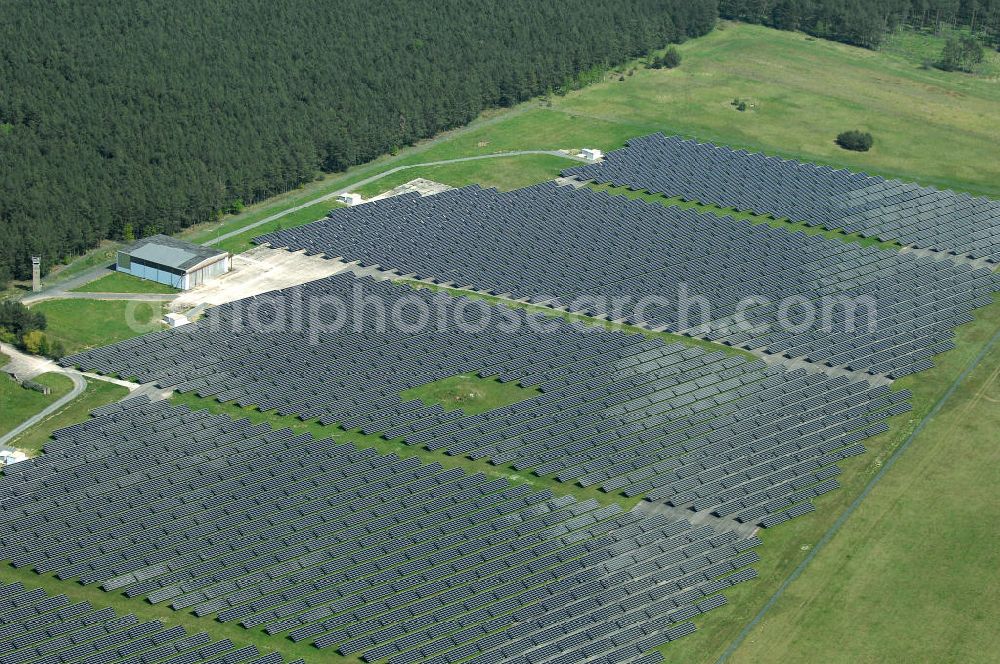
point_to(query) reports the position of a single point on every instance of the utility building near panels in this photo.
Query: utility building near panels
(173, 262)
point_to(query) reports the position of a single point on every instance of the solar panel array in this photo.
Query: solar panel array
(889, 210)
(43, 629)
(679, 424)
(374, 555)
(766, 289)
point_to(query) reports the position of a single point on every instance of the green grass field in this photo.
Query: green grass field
(912, 576)
(18, 404)
(101, 256)
(469, 392)
(83, 324)
(119, 282)
(98, 393)
(936, 127)
(504, 173)
(932, 126)
(784, 548)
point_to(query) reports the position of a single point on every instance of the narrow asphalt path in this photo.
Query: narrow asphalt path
(29, 366)
(79, 385)
(829, 534)
(62, 287)
(63, 290)
(379, 176)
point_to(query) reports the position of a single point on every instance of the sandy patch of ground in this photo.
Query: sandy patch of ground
(419, 185)
(257, 271)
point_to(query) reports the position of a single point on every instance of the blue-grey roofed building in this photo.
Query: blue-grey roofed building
(173, 262)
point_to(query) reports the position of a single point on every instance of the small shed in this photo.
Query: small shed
(175, 319)
(591, 154)
(173, 262)
(350, 198)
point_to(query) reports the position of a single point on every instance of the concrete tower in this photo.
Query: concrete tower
(36, 273)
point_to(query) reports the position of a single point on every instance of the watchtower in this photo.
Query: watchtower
(36, 273)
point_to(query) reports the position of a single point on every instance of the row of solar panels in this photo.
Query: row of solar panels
(374, 555)
(621, 411)
(43, 629)
(889, 210)
(750, 286)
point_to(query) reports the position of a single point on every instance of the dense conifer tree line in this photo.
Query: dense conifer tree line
(148, 116)
(127, 119)
(867, 22)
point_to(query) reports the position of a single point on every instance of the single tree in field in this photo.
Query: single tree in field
(672, 58)
(859, 141)
(961, 54)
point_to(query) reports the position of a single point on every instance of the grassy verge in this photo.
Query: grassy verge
(791, 226)
(918, 559)
(83, 324)
(580, 318)
(18, 404)
(240, 243)
(101, 256)
(397, 447)
(469, 392)
(785, 547)
(119, 282)
(145, 612)
(98, 393)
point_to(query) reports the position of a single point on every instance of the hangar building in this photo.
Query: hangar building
(173, 262)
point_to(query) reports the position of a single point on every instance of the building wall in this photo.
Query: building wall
(151, 272)
(162, 275)
(216, 269)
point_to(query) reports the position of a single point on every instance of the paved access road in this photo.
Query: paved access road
(29, 366)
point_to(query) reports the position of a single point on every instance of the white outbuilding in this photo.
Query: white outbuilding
(175, 319)
(349, 198)
(591, 154)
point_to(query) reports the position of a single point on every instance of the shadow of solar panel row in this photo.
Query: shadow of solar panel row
(43, 629)
(729, 437)
(371, 554)
(750, 286)
(890, 210)
(697, 429)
